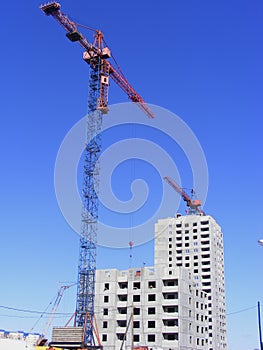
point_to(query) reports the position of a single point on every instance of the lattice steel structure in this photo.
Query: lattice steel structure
(96, 55)
(88, 240)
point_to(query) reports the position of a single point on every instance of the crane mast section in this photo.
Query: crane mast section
(88, 240)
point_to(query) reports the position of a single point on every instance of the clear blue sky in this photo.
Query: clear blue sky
(200, 59)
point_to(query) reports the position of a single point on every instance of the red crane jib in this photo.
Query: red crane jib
(192, 203)
(74, 35)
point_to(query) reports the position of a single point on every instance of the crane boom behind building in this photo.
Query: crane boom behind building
(193, 204)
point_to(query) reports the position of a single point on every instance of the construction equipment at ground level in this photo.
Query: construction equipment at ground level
(43, 339)
(97, 56)
(193, 204)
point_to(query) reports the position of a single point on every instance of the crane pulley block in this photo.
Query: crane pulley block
(105, 53)
(87, 56)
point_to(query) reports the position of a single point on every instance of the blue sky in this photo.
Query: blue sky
(202, 61)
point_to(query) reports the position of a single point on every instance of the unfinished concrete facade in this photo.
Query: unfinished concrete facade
(196, 243)
(149, 307)
(177, 304)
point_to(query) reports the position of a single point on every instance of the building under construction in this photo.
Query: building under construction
(179, 303)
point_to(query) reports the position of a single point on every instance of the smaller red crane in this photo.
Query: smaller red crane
(193, 204)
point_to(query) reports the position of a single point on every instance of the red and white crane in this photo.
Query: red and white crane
(95, 50)
(97, 55)
(193, 204)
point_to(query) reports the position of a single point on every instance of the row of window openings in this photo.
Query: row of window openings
(205, 222)
(203, 256)
(151, 337)
(187, 264)
(207, 290)
(166, 309)
(180, 251)
(195, 250)
(203, 263)
(197, 304)
(178, 238)
(195, 271)
(137, 298)
(187, 258)
(179, 245)
(198, 341)
(186, 244)
(197, 316)
(186, 232)
(137, 285)
(187, 251)
(151, 324)
(150, 311)
(199, 329)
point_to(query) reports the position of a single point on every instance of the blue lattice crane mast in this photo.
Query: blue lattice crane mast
(101, 70)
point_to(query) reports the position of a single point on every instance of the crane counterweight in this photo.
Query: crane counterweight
(74, 36)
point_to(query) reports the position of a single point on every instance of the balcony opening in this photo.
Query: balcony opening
(170, 323)
(170, 336)
(170, 296)
(122, 323)
(123, 285)
(170, 282)
(123, 297)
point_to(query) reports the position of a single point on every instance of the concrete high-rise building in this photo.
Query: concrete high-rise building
(179, 303)
(196, 243)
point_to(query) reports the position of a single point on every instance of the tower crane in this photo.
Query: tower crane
(193, 204)
(97, 55)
